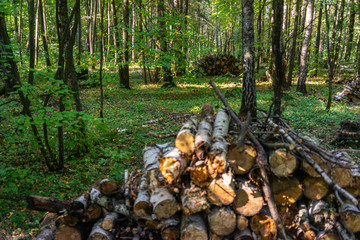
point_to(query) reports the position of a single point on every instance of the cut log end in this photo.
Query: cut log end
(315, 188)
(248, 201)
(286, 190)
(222, 221)
(263, 226)
(282, 163)
(241, 161)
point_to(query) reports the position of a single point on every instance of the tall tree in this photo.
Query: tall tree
(349, 41)
(357, 77)
(124, 69)
(248, 101)
(330, 59)
(31, 12)
(277, 58)
(44, 33)
(162, 38)
(301, 84)
(318, 36)
(293, 44)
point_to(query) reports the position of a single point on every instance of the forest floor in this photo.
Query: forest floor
(117, 141)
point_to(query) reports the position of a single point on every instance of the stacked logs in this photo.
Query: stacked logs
(218, 64)
(209, 184)
(351, 91)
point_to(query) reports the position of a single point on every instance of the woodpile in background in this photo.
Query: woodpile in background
(351, 91)
(218, 64)
(219, 181)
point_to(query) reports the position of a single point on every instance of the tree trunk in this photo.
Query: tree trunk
(301, 85)
(330, 59)
(43, 33)
(124, 69)
(357, 76)
(349, 43)
(317, 43)
(248, 101)
(293, 44)
(165, 64)
(277, 58)
(101, 61)
(31, 12)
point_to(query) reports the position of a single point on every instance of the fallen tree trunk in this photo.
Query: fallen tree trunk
(47, 204)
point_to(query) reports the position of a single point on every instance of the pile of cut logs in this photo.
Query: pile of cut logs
(220, 179)
(351, 91)
(217, 64)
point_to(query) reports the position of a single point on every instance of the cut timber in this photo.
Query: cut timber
(243, 235)
(142, 205)
(64, 232)
(328, 236)
(193, 200)
(110, 203)
(248, 200)
(219, 147)
(108, 223)
(108, 187)
(287, 215)
(172, 165)
(310, 170)
(151, 155)
(241, 222)
(315, 188)
(97, 233)
(303, 224)
(341, 176)
(185, 139)
(93, 212)
(354, 187)
(282, 162)
(203, 135)
(200, 175)
(47, 204)
(263, 226)
(163, 202)
(350, 215)
(220, 190)
(286, 190)
(241, 161)
(222, 221)
(45, 234)
(193, 227)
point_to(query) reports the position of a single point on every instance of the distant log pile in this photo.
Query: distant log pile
(222, 179)
(217, 64)
(349, 132)
(351, 91)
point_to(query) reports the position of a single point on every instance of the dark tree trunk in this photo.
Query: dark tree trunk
(31, 12)
(301, 85)
(116, 33)
(339, 28)
(317, 43)
(124, 70)
(293, 45)
(277, 58)
(248, 101)
(357, 77)
(143, 41)
(43, 33)
(166, 71)
(349, 42)
(101, 61)
(5, 41)
(331, 60)
(8, 73)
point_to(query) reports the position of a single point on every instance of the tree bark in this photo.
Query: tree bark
(293, 44)
(277, 58)
(44, 34)
(31, 12)
(317, 43)
(248, 101)
(124, 69)
(301, 85)
(349, 43)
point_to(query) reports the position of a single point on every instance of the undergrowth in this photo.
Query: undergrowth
(117, 140)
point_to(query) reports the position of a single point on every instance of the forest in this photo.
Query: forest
(95, 89)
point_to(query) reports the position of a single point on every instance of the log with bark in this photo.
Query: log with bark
(185, 139)
(203, 135)
(178, 195)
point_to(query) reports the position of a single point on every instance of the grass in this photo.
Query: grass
(117, 141)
